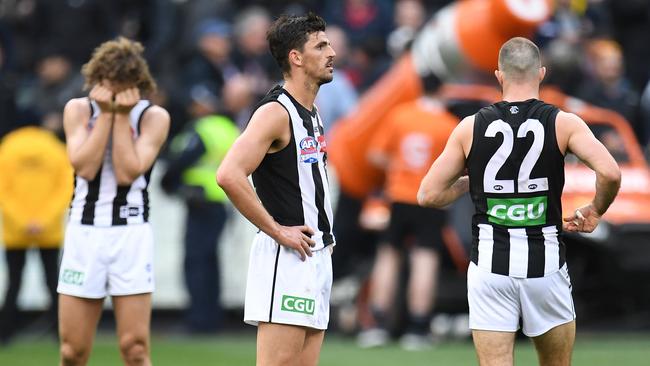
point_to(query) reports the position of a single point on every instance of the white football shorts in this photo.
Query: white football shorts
(283, 289)
(498, 302)
(100, 261)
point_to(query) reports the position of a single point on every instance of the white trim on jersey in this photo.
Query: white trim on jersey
(551, 249)
(518, 253)
(323, 172)
(485, 246)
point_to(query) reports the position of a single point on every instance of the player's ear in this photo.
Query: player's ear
(542, 73)
(295, 57)
(499, 75)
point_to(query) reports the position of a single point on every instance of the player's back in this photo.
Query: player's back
(516, 173)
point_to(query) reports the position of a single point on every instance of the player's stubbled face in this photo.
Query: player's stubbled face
(319, 57)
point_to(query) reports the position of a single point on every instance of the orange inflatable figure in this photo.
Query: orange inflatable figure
(460, 42)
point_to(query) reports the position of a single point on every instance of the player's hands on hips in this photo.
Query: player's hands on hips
(584, 220)
(103, 96)
(126, 100)
(298, 238)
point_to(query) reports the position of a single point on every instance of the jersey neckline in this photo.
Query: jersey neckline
(297, 103)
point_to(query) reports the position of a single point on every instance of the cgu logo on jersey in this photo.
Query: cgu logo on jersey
(308, 150)
(517, 211)
(298, 304)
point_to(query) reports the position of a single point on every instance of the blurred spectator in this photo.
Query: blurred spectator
(338, 97)
(35, 190)
(57, 82)
(18, 18)
(237, 100)
(368, 63)
(8, 114)
(151, 22)
(631, 28)
(74, 27)
(251, 53)
(607, 86)
(195, 156)
(296, 7)
(563, 66)
(362, 20)
(367, 23)
(412, 137)
(409, 17)
(211, 66)
(193, 12)
(567, 23)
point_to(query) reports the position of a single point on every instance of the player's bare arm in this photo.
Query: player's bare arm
(133, 157)
(267, 132)
(86, 146)
(574, 136)
(443, 183)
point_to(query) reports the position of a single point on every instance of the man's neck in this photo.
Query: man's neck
(302, 91)
(519, 93)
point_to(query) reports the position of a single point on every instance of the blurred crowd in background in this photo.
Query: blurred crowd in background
(211, 57)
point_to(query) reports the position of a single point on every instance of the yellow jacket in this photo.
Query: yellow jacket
(35, 187)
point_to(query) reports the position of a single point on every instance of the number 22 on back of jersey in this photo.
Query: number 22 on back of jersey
(524, 182)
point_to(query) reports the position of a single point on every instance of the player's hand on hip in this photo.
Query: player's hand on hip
(298, 238)
(126, 100)
(584, 220)
(103, 96)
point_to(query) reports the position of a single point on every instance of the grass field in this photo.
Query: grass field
(591, 350)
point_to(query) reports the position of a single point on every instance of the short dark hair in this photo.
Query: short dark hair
(519, 58)
(290, 32)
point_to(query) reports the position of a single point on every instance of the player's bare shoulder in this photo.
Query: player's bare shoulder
(271, 114)
(567, 124)
(464, 133)
(155, 124)
(77, 107)
(158, 115)
(271, 122)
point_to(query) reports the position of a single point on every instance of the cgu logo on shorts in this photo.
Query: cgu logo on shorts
(298, 304)
(517, 211)
(72, 277)
(308, 150)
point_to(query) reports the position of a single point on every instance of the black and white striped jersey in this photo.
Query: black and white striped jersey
(101, 201)
(292, 183)
(516, 173)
